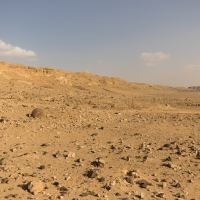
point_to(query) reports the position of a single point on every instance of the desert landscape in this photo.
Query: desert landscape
(95, 137)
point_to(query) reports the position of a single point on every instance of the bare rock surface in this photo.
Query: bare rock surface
(101, 138)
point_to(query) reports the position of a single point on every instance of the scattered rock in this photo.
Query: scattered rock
(107, 186)
(35, 187)
(130, 180)
(141, 195)
(102, 179)
(11, 196)
(38, 113)
(92, 173)
(45, 144)
(143, 183)
(170, 165)
(134, 174)
(4, 180)
(164, 185)
(56, 184)
(42, 167)
(57, 154)
(198, 155)
(71, 155)
(120, 126)
(92, 193)
(177, 185)
(99, 162)
(63, 190)
(161, 195)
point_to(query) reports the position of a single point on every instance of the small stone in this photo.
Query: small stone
(63, 190)
(107, 187)
(53, 197)
(170, 165)
(134, 174)
(11, 196)
(38, 113)
(34, 174)
(85, 194)
(35, 187)
(167, 145)
(143, 183)
(113, 183)
(71, 155)
(198, 155)
(154, 174)
(94, 134)
(99, 162)
(42, 167)
(141, 195)
(130, 180)
(45, 144)
(102, 179)
(164, 185)
(4, 180)
(92, 173)
(79, 160)
(127, 158)
(178, 185)
(25, 174)
(57, 154)
(13, 149)
(3, 120)
(168, 159)
(161, 195)
(56, 184)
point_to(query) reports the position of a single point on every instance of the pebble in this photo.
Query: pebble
(38, 113)
(92, 173)
(130, 180)
(57, 154)
(143, 183)
(141, 195)
(35, 187)
(100, 162)
(198, 155)
(71, 155)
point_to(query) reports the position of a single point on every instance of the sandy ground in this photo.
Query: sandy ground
(101, 138)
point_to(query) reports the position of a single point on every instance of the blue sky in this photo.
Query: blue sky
(148, 41)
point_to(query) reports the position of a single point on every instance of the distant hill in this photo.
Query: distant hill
(28, 75)
(194, 87)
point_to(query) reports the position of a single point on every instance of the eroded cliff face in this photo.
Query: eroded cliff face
(12, 71)
(50, 76)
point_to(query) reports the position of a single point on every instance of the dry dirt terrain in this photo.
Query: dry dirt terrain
(96, 137)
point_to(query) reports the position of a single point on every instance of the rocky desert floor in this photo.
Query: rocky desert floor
(99, 138)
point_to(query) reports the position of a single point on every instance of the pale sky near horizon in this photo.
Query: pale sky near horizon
(146, 41)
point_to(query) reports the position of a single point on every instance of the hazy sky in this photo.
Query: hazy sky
(149, 41)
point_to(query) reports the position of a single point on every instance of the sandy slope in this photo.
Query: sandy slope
(102, 138)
